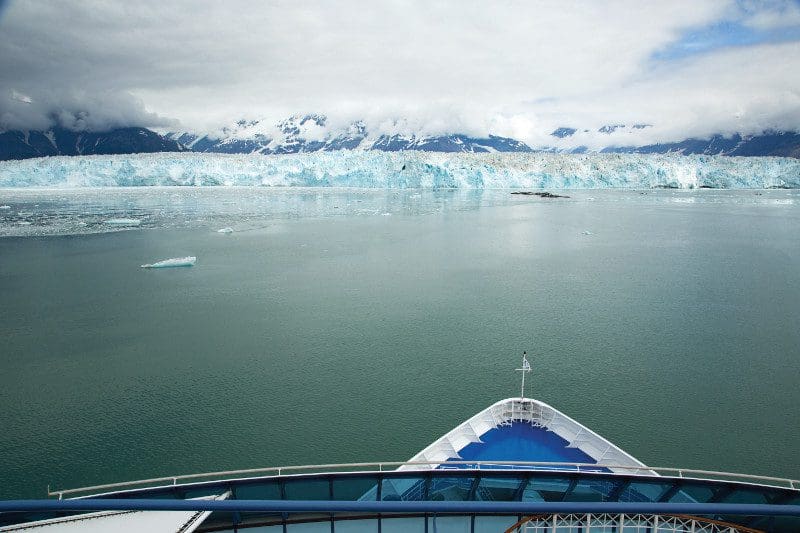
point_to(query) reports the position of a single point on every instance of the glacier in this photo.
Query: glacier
(406, 170)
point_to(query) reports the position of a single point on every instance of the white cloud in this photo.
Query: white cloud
(734, 90)
(515, 68)
(770, 15)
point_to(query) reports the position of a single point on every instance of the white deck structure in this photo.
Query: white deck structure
(121, 522)
(538, 414)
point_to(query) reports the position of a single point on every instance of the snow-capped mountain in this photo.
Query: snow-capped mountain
(314, 133)
(311, 133)
(17, 144)
(767, 143)
(770, 143)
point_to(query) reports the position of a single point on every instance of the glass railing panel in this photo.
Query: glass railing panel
(450, 488)
(260, 529)
(499, 489)
(644, 491)
(592, 490)
(403, 525)
(161, 494)
(693, 493)
(449, 524)
(751, 496)
(532, 495)
(403, 489)
(356, 526)
(783, 523)
(307, 489)
(493, 524)
(269, 529)
(224, 521)
(309, 527)
(264, 490)
(355, 488)
(200, 492)
(546, 489)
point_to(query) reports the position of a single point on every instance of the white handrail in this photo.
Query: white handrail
(345, 467)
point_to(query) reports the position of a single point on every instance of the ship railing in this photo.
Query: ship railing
(385, 466)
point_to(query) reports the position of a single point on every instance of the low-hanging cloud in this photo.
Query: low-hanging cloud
(78, 110)
(520, 69)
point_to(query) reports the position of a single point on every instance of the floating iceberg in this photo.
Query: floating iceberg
(122, 222)
(174, 262)
(225, 230)
(5, 207)
(405, 170)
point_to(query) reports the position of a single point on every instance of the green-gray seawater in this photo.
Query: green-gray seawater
(668, 322)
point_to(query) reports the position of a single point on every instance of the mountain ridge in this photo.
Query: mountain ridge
(307, 133)
(19, 144)
(311, 133)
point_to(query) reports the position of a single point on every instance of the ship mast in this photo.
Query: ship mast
(526, 367)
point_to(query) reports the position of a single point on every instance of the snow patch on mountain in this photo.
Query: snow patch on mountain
(314, 133)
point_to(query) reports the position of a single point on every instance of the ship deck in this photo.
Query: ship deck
(520, 441)
(506, 467)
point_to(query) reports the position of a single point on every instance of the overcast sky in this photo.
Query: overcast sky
(510, 68)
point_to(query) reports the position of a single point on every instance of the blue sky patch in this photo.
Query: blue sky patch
(724, 34)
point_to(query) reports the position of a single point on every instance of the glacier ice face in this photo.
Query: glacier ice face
(403, 170)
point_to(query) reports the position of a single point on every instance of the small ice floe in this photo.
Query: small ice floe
(24, 223)
(386, 214)
(174, 262)
(122, 222)
(586, 232)
(225, 230)
(5, 207)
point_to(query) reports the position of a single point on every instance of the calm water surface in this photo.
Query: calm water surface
(324, 330)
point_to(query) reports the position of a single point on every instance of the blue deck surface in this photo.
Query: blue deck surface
(522, 442)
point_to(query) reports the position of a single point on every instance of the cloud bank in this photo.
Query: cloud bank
(515, 68)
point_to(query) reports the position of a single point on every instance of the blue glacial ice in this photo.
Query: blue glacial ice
(174, 262)
(405, 170)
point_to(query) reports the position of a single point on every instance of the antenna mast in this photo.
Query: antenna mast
(526, 367)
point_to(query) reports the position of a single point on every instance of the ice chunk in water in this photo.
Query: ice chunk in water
(225, 230)
(123, 222)
(5, 207)
(174, 262)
